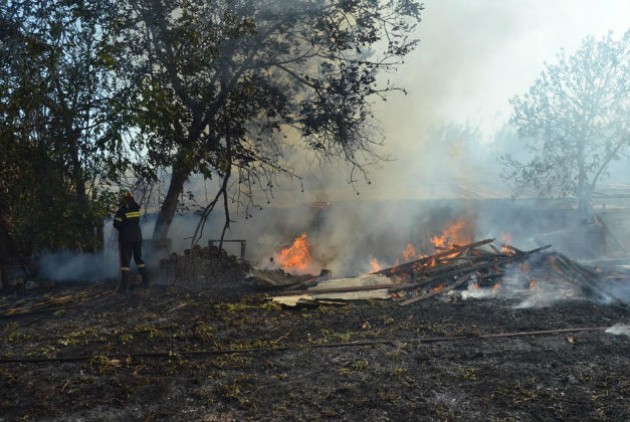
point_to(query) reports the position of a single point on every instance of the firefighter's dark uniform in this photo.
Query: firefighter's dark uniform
(127, 222)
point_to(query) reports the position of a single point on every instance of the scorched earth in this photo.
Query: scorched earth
(226, 352)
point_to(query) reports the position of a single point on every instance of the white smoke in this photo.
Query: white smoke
(619, 330)
(74, 266)
(88, 267)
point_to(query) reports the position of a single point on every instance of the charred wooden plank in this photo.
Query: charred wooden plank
(397, 269)
(585, 279)
(448, 288)
(336, 290)
(513, 249)
(468, 268)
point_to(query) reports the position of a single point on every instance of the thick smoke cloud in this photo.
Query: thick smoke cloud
(473, 57)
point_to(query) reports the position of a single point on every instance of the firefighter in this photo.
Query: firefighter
(127, 222)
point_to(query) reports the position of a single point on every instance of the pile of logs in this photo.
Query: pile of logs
(483, 264)
(200, 267)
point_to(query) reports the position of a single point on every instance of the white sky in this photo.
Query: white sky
(475, 55)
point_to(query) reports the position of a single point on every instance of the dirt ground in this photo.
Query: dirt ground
(226, 353)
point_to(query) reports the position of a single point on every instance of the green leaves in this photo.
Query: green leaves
(53, 105)
(216, 87)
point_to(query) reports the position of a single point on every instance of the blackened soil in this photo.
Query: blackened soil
(227, 353)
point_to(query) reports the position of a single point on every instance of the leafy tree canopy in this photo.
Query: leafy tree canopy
(53, 112)
(224, 87)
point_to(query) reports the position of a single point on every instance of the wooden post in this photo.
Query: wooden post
(243, 243)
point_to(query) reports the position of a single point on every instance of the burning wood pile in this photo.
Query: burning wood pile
(479, 265)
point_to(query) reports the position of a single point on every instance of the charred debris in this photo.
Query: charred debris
(480, 266)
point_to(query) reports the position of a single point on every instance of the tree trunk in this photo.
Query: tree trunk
(3, 255)
(86, 235)
(100, 236)
(584, 197)
(169, 206)
(585, 210)
(181, 171)
(583, 192)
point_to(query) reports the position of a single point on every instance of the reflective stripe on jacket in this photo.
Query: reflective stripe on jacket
(127, 222)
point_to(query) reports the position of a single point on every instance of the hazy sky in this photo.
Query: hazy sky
(474, 56)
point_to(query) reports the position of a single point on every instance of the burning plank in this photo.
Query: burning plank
(427, 260)
(460, 270)
(278, 278)
(438, 290)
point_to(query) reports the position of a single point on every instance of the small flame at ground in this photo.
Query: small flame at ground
(375, 265)
(506, 238)
(295, 257)
(409, 252)
(438, 289)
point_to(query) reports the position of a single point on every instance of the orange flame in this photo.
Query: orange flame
(438, 289)
(554, 264)
(506, 238)
(409, 252)
(375, 265)
(297, 256)
(456, 234)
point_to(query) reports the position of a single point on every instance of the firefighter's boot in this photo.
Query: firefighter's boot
(123, 287)
(145, 277)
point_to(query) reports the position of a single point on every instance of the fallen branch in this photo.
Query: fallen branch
(51, 306)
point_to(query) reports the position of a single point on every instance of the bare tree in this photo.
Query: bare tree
(575, 120)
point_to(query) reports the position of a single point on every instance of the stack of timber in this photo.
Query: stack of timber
(200, 267)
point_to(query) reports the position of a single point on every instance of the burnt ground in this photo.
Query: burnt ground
(79, 352)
